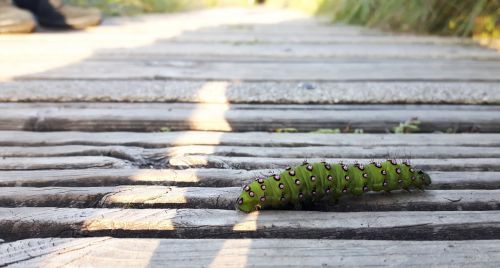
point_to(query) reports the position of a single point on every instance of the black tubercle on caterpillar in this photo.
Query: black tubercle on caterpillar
(312, 182)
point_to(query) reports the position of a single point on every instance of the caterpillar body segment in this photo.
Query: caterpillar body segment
(313, 182)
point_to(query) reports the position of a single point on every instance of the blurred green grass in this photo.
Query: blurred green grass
(443, 17)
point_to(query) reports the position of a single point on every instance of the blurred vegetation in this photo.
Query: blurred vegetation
(134, 7)
(410, 126)
(443, 17)
(480, 18)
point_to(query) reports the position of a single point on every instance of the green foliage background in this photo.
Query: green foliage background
(443, 17)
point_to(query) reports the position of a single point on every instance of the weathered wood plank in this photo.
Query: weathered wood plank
(245, 106)
(204, 178)
(289, 52)
(249, 163)
(258, 38)
(133, 154)
(224, 198)
(80, 162)
(148, 140)
(77, 117)
(229, 162)
(272, 71)
(241, 51)
(24, 222)
(105, 251)
(159, 156)
(245, 92)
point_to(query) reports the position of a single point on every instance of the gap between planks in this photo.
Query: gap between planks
(130, 252)
(29, 222)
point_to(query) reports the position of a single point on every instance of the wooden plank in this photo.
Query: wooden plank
(105, 252)
(221, 118)
(290, 27)
(238, 51)
(159, 156)
(24, 222)
(426, 70)
(204, 178)
(80, 162)
(245, 92)
(290, 52)
(230, 162)
(133, 154)
(246, 106)
(239, 162)
(151, 140)
(258, 38)
(224, 198)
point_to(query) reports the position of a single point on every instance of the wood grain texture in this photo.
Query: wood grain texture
(203, 178)
(24, 222)
(157, 156)
(249, 163)
(78, 117)
(224, 198)
(80, 162)
(151, 140)
(105, 251)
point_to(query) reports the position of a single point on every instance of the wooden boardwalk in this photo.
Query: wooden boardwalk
(126, 145)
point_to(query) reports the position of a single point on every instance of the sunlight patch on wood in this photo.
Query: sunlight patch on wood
(248, 223)
(131, 219)
(211, 116)
(161, 175)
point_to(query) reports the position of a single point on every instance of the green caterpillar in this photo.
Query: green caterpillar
(308, 183)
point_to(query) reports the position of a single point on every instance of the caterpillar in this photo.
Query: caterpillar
(312, 182)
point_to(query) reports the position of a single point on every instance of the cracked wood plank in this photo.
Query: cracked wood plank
(76, 162)
(130, 252)
(248, 92)
(249, 163)
(24, 222)
(151, 140)
(159, 156)
(203, 178)
(224, 198)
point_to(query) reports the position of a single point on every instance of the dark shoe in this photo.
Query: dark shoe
(54, 13)
(15, 20)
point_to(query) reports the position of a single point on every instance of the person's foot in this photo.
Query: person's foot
(54, 13)
(15, 20)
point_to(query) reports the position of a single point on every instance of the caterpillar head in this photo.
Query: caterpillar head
(248, 200)
(424, 177)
